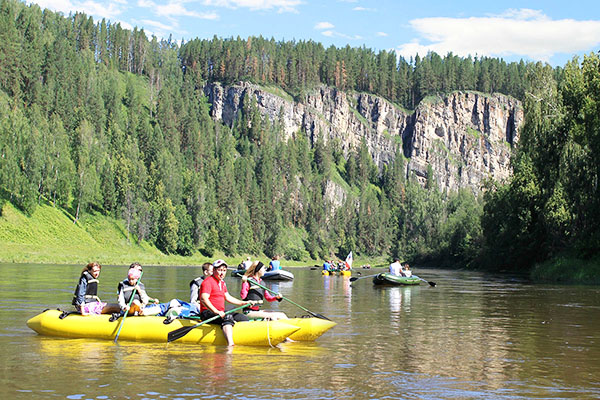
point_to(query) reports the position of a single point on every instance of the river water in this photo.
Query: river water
(473, 336)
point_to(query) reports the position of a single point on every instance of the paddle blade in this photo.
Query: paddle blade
(317, 315)
(354, 278)
(431, 283)
(321, 316)
(179, 333)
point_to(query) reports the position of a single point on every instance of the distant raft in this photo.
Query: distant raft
(340, 273)
(275, 275)
(278, 275)
(395, 280)
(153, 329)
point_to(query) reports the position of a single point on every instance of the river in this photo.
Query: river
(473, 336)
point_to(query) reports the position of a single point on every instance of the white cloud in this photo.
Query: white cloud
(362, 9)
(525, 33)
(109, 11)
(327, 30)
(330, 33)
(279, 5)
(324, 25)
(175, 8)
(158, 25)
(127, 25)
(382, 34)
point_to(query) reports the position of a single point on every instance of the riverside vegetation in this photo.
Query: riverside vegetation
(112, 129)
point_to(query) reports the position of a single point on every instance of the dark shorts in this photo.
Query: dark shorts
(229, 319)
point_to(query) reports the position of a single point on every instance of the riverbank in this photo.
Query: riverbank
(568, 269)
(50, 236)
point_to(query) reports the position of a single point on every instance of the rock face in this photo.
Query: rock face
(460, 139)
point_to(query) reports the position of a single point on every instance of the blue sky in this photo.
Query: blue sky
(549, 31)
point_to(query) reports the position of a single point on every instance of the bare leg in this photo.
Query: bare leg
(111, 308)
(271, 315)
(278, 315)
(228, 331)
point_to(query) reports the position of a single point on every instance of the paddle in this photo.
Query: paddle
(355, 278)
(184, 330)
(288, 300)
(129, 305)
(430, 283)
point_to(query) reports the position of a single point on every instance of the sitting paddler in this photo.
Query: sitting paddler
(207, 270)
(396, 267)
(327, 266)
(85, 298)
(274, 264)
(132, 287)
(250, 291)
(406, 271)
(140, 303)
(213, 294)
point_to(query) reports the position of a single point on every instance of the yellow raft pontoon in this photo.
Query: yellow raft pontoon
(152, 329)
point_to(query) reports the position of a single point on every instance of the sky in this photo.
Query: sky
(548, 31)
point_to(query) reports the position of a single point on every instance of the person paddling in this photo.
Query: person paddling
(396, 267)
(213, 294)
(250, 291)
(132, 287)
(142, 304)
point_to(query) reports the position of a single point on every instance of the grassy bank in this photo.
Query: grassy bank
(50, 236)
(568, 269)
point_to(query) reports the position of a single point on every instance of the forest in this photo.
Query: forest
(95, 118)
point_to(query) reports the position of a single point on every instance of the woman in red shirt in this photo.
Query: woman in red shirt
(213, 294)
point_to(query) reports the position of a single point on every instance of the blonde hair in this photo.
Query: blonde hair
(254, 268)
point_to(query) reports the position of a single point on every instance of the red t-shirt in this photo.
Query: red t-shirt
(216, 290)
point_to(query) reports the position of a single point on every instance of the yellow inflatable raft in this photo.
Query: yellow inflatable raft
(152, 329)
(310, 328)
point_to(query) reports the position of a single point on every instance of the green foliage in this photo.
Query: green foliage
(168, 226)
(185, 232)
(50, 236)
(568, 268)
(473, 132)
(295, 66)
(292, 244)
(551, 204)
(102, 120)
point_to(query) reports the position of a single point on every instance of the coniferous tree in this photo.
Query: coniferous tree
(102, 118)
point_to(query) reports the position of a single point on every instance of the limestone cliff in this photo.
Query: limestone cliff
(465, 136)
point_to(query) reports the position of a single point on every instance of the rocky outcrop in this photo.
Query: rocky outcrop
(462, 138)
(465, 137)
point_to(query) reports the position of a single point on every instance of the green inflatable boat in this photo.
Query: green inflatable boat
(389, 279)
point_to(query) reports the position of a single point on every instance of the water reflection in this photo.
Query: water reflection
(473, 336)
